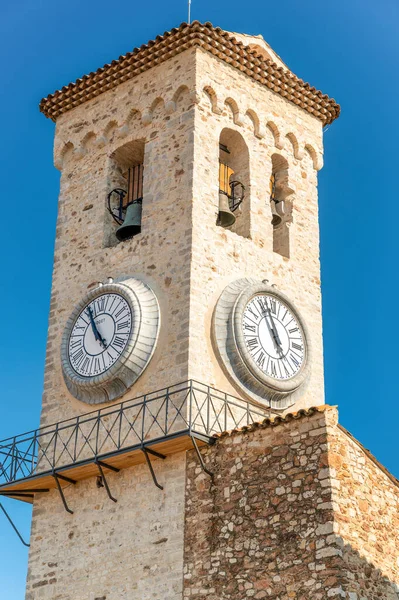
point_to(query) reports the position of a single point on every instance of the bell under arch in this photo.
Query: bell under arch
(234, 181)
(125, 177)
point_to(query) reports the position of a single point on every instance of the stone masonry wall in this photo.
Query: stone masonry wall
(269, 125)
(264, 528)
(366, 511)
(272, 523)
(132, 549)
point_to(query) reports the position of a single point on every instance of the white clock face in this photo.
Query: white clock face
(100, 334)
(273, 337)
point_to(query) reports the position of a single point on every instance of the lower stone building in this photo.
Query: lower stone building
(297, 508)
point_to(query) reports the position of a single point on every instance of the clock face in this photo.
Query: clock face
(109, 340)
(262, 342)
(273, 337)
(100, 334)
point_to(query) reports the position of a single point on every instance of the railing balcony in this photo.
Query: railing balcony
(161, 423)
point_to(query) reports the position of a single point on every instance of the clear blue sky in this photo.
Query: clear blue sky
(348, 49)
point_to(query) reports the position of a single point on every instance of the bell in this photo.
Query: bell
(278, 212)
(225, 218)
(132, 224)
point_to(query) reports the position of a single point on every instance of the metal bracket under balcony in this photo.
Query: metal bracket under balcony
(153, 426)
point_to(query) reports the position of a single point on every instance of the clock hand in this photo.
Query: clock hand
(273, 330)
(97, 334)
(273, 335)
(93, 325)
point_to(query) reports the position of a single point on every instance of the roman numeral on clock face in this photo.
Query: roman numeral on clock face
(296, 346)
(254, 314)
(252, 343)
(260, 359)
(76, 344)
(78, 357)
(119, 342)
(121, 311)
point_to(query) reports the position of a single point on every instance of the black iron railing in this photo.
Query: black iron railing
(189, 408)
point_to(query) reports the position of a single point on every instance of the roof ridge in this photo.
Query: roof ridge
(212, 39)
(275, 420)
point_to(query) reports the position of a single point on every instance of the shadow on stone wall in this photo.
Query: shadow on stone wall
(362, 580)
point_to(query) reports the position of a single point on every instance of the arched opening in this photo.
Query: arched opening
(125, 192)
(281, 205)
(234, 183)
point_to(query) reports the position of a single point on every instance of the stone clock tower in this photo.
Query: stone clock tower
(180, 453)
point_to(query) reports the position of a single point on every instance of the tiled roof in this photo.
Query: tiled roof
(275, 420)
(212, 39)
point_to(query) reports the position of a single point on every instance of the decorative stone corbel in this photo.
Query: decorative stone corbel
(260, 132)
(79, 152)
(146, 118)
(123, 131)
(195, 97)
(170, 107)
(58, 162)
(101, 141)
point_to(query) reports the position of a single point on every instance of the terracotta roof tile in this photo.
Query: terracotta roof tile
(275, 420)
(212, 39)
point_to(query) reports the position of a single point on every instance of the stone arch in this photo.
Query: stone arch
(233, 106)
(295, 145)
(156, 106)
(89, 140)
(110, 129)
(67, 150)
(132, 115)
(179, 92)
(253, 116)
(64, 155)
(278, 142)
(212, 97)
(181, 100)
(316, 157)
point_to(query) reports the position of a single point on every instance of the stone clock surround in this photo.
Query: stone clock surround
(119, 378)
